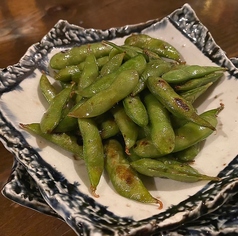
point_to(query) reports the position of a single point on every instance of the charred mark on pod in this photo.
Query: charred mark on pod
(125, 174)
(161, 83)
(144, 143)
(181, 104)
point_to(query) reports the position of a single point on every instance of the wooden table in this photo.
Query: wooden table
(23, 23)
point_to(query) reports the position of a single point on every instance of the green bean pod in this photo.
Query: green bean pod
(162, 48)
(195, 83)
(189, 72)
(175, 103)
(67, 142)
(171, 169)
(76, 55)
(106, 99)
(123, 178)
(161, 130)
(47, 89)
(136, 110)
(137, 63)
(52, 116)
(92, 152)
(127, 127)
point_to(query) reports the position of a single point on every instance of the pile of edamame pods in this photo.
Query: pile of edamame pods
(128, 109)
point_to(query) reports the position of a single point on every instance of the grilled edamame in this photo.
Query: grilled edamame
(128, 109)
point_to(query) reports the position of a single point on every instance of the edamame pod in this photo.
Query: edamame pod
(69, 123)
(47, 89)
(189, 72)
(68, 74)
(175, 103)
(145, 148)
(185, 136)
(170, 169)
(132, 51)
(195, 83)
(127, 127)
(137, 63)
(191, 133)
(155, 67)
(108, 128)
(149, 55)
(189, 153)
(136, 110)
(76, 55)
(133, 156)
(161, 130)
(113, 64)
(73, 73)
(162, 48)
(144, 132)
(177, 121)
(89, 73)
(124, 179)
(92, 152)
(52, 116)
(67, 142)
(66, 124)
(129, 52)
(193, 94)
(101, 61)
(106, 99)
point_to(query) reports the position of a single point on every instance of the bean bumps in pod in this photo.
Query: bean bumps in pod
(124, 179)
(175, 103)
(106, 99)
(162, 48)
(76, 55)
(92, 151)
(171, 169)
(161, 130)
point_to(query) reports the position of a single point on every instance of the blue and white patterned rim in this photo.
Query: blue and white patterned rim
(24, 190)
(90, 217)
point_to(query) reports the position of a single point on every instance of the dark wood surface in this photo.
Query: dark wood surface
(23, 23)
